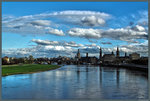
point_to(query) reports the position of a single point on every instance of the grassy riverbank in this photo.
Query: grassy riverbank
(26, 68)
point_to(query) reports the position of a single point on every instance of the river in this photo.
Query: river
(77, 82)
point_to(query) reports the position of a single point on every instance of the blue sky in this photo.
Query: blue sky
(44, 28)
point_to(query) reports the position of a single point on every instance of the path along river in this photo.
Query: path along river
(77, 82)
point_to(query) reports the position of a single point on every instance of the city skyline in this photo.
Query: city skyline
(56, 28)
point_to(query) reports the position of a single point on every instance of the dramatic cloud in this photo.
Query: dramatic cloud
(56, 43)
(40, 51)
(82, 18)
(141, 48)
(89, 18)
(52, 49)
(41, 22)
(34, 24)
(85, 33)
(45, 42)
(92, 46)
(56, 32)
(92, 21)
(37, 27)
(132, 41)
(139, 28)
(78, 13)
(72, 44)
(75, 23)
(24, 29)
(123, 34)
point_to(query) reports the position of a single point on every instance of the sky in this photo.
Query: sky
(50, 29)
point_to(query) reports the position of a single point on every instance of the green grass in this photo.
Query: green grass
(26, 68)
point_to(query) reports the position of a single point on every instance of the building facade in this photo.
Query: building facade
(134, 56)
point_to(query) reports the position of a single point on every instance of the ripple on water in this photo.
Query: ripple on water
(77, 82)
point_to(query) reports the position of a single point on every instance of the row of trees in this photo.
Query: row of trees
(24, 60)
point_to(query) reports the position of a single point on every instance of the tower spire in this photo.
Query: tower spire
(117, 52)
(86, 55)
(78, 54)
(100, 53)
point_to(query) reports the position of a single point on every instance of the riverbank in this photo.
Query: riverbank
(26, 68)
(131, 66)
(89, 80)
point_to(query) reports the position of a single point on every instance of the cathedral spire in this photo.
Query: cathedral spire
(86, 55)
(78, 54)
(100, 54)
(117, 52)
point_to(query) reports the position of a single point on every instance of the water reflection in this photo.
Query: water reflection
(77, 82)
(117, 77)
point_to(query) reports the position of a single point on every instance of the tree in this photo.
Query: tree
(31, 59)
(4, 62)
(25, 60)
(21, 60)
(15, 61)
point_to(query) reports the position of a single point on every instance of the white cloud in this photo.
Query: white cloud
(91, 45)
(92, 21)
(39, 51)
(38, 24)
(139, 28)
(83, 18)
(124, 34)
(35, 27)
(85, 33)
(53, 50)
(56, 32)
(141, 48)
(79, 13)
(25, 29)
(45, 42)
(71, 16)
(41, 22)
(72, 44)
(56, 43)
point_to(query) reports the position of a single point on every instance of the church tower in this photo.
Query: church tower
(86, 55)
(100, 54)
(117, 52)
(78, 54)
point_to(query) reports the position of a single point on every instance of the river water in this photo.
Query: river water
(77, 82)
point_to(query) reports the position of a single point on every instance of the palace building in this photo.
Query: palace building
(107, 58)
